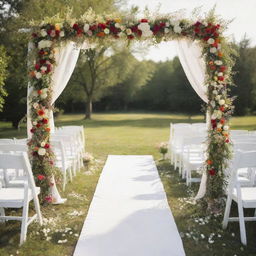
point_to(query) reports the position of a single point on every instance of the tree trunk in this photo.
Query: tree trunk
(88, 111)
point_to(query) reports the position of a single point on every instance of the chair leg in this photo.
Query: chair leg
(227, 212)
(2, 213)
(24, 223)
(38, 211)
(64, 180)
(241, 223)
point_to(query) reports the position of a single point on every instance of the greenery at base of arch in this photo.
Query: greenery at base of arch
(92, 28)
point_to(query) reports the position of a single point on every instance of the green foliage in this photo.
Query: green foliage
(3, 75)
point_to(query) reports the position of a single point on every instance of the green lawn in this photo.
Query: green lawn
(126, 134)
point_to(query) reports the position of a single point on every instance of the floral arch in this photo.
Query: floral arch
(216, 52)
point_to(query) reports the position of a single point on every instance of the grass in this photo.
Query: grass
(126, 134)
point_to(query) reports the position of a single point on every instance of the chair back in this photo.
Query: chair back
(18, 161)
(6, 148)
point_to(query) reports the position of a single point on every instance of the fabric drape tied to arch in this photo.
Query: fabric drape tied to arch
(190, 56)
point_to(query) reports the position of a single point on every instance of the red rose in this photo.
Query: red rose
(46, 146)
(213, 67)
(32, 130)
(130, 37)
(41, 52)
(38, 125)
(42, 61)
(143, 20)
(197, 30)
(221, 78)
(94, 27)
(34, 35)
(134, 29)
(39, 92)
(40, 112)
(45, 121)
(222, 121)
(51, 162)
(227, 140)
(37, 66)
(79, 31)
(223, 68)
(197, 24)
(102, 26)
(212, 172)
(57, 33)
(49, 68)
(40, 177)
(222, 108)
(75, 26)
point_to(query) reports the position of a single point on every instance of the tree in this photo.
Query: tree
(98, 69)
(16, 15)
(3, 75)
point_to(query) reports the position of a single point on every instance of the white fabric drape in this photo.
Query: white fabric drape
(66, 57)
(190, 56)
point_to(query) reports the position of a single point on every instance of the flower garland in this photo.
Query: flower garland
(216, 52)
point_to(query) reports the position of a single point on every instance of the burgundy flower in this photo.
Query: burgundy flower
(37, 66)
(47, 146)
(75, 26)
(40, 177)
(212, 172)
(143, 20)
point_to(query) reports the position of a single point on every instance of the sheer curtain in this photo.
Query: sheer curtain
(190, 55)
(66, 57)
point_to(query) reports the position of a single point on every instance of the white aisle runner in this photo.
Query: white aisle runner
(129, 214)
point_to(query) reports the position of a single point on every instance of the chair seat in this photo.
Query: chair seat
(248, 196)
(14, 197)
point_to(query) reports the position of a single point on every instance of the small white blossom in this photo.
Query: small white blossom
(213, 50)
(43, 32)
(41, 151)
(177, 29)
(128, 31)
(222, 102)
(62, 34)
(210, 41)
(106, 31)
(166, 30)
(38, 75)
(86, 27)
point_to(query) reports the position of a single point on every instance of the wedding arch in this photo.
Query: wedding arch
(204, 52)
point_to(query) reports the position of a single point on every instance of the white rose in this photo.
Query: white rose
(43, 68)
(220, 74)
(218, 62)
(117, 25)
(218, 97)
(147, 33)
(222, 102)
(86, 27)
(166, 30)
(144, 26)
(43, 96)
(43, 144)
(175, 23)
(34, 123)
(41, 151)
(213, 103)
(213, 50)
(43, 33)
(214, 116)
(62, 33)
(226, 128)
(215, 92)
(167, 24)
(210, 41)
(219, 126)
(177, 29)
(35, 105)
(106, 31)
(44, 44)
(53, 34)
(38, 75)
(122, 28)
(128, 31)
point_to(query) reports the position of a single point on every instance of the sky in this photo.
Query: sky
(243, 13)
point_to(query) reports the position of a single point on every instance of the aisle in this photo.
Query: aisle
(129, 214)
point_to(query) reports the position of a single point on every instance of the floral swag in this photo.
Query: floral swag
(216, 52)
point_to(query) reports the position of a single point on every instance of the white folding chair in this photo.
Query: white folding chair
(245, 197)
(6, 141)
(11, 197)
(62, 161)
(193, 157)
(13, 177)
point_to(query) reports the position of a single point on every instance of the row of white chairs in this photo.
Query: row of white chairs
(68, 144)
(17, 185)
(241, 174)
(186, 147)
